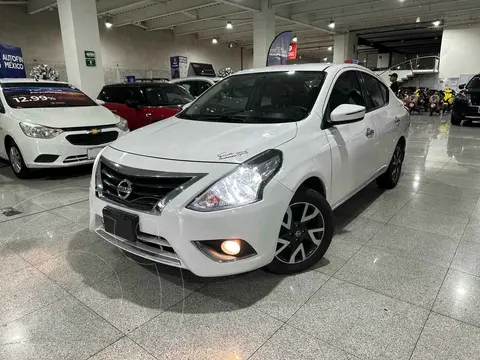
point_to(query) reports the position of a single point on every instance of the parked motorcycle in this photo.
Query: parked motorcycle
(416, 101)
(448, 99)
(435, 103)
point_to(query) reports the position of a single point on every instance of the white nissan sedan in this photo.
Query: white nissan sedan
(52, 124)
(247, 176)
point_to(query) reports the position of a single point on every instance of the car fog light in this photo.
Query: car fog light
(225, 250)
(231, 247)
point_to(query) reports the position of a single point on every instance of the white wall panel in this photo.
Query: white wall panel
(126, 50)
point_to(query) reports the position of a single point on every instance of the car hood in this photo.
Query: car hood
(190, 140)
(67, 117)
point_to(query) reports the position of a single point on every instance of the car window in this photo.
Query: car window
(44, 95)
(474, 83)
(118, 95)
(167, 95)
(190, 86)
(345, 91)
(373, 92)
(385, 92)
(263, 97)
(203, 86)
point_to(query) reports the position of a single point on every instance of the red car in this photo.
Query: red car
(144, 103)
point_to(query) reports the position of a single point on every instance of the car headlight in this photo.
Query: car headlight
(122, 123)
(39, 131)
(242, 186)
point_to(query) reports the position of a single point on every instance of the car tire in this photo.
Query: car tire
(300, 242)
(16, 161)
(389, 179)
(455, 119)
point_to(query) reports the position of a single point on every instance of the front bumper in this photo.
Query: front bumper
(467, 111)
(68, 153)
(168, 237)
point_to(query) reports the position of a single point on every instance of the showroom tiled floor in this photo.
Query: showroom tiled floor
(401, 279)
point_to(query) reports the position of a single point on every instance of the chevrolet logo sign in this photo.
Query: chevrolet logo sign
(95, 131)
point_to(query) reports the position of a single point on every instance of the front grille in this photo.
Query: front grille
(90, 139)
(146, 189)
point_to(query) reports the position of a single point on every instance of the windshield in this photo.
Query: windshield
(474, 83)
(272, 97)
(167, 95)
(38, 95)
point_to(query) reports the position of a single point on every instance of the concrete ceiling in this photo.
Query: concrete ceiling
(390, 25)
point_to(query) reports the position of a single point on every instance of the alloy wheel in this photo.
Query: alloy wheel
(397, 163)
(15, 159)
(301, 233)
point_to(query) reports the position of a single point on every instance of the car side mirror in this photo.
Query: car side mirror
(461, 86)
(100, 102)
(132, 104)
(347, 113)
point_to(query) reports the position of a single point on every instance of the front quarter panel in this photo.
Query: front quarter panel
(306, 156)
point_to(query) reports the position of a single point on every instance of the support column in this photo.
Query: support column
(345, 47)
(79, 26)
(263, 33)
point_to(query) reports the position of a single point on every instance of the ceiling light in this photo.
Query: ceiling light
(294, 39)
(108, 23)
(436, 23)
(230, 45)
(229, 25)
(330, 48)
(331, 25)
(325, 59)
(418, 19)
(214, 41)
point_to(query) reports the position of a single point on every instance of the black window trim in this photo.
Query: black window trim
(364, 90)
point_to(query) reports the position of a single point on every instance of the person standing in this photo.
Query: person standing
(394, 85)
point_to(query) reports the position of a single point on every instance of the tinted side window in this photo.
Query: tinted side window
(190, 86)
(345, 91)
(117, 95)
(373, 92)
(203, 86)
(385, 92)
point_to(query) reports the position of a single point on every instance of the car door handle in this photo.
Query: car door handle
(397, 120)
(148, 115)
(369, 133)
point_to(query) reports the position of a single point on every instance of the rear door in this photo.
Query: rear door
(115, 98)
(353, 146)
(387, 125)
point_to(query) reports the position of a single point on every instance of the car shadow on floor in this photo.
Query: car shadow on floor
(240, 291)
(49, 174)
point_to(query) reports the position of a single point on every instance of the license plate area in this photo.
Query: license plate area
(93, 152)
(121, 223)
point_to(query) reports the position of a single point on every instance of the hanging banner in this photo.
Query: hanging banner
(278, 51)
(292, 52)
(178, 66)
(11, 62)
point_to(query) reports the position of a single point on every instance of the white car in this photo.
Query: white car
(248, 174)
(196, 85)
(45, 124)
